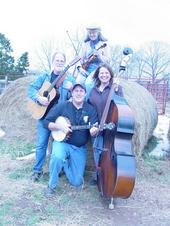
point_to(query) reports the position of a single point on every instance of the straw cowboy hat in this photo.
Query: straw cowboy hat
(93, 27)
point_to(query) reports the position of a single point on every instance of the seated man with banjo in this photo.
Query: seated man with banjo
(70, 154)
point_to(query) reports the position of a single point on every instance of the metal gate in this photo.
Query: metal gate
(159, 92)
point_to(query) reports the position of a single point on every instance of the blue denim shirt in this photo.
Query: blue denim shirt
(37, 84)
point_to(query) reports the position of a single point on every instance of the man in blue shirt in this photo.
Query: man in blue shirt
(58, 62)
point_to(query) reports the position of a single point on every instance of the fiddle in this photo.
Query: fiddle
(92, 57)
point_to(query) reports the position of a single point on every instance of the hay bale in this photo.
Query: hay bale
(145, 112)
(17, 122)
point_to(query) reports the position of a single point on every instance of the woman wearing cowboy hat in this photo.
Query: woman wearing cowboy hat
(94, 52)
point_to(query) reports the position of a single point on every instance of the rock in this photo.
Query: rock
(161, 133)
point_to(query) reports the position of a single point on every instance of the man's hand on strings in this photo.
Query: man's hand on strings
(43, 100)
(94, 130)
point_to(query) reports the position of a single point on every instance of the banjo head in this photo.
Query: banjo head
(60, 135)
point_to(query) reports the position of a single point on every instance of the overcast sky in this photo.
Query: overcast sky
(126, 22)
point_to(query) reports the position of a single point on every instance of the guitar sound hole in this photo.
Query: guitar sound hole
(45, 94)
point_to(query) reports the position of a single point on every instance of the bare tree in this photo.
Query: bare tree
(153, 61)
(44, 54)
(138, 64)
(115, 57)
(71, 46)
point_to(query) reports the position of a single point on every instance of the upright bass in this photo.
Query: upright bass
(117, 165)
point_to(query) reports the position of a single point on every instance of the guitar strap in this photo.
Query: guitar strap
(60, 80)
(53, 77)
(57, 82)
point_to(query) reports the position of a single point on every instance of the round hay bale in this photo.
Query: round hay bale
(145, 112)
(16, 121)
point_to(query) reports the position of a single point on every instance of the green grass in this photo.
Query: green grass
(12, 214)
(155, 167)
(32, 208)
(15, 149)
(5, 209)
(152, 143)
(21, 173)
(149, 160)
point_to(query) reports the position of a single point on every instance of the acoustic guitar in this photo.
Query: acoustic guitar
(60, 135)
(47, 90)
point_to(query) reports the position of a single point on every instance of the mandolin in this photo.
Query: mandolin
(60, 135)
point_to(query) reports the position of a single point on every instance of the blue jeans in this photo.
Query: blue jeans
(69, 157)
(88, 82)
(41, 146)
(97, 148)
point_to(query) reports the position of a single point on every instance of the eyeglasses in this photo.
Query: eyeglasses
(59, 61)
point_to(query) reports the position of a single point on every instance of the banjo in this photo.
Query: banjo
(60, 135)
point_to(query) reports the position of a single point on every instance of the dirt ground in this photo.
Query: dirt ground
(22, 202)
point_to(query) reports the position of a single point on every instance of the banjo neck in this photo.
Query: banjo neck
(60, 135)
(81, 127)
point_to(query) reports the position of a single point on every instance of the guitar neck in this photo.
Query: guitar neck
(61, 76)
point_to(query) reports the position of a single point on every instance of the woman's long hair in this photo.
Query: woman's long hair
(96, 74)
